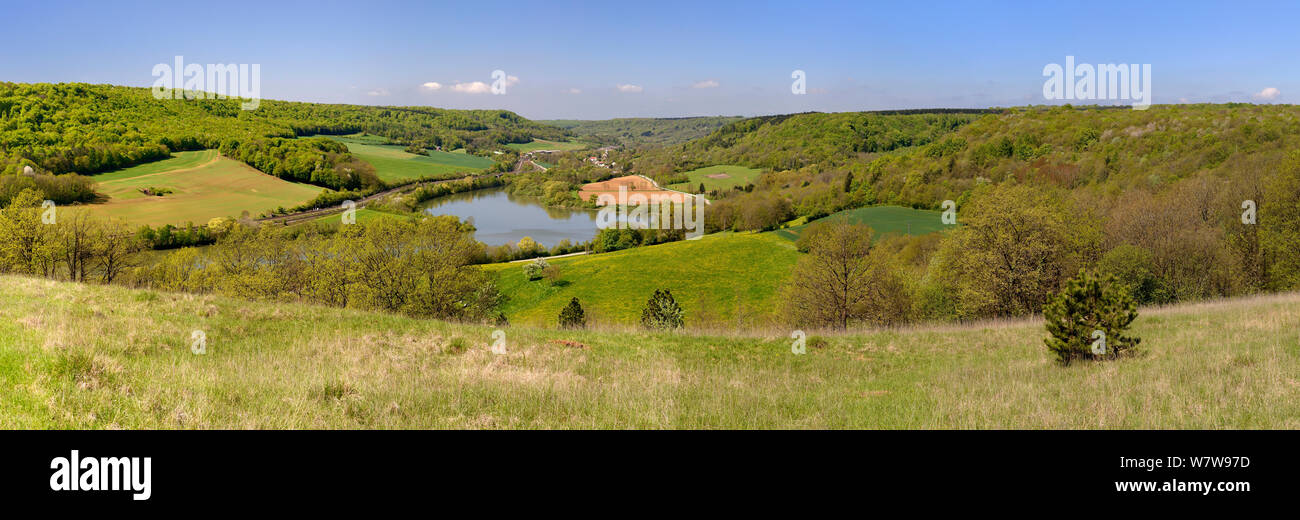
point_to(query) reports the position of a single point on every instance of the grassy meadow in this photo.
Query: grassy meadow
(884, 220)
(204, 185)
(363, 215)
(393, 164)
(720, 178)
(722, 280)
(85, 356)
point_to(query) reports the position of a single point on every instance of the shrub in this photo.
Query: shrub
(1133, 267)
(572, 316)
(154, 191)
(553, 274)
(457, 345)
(1090, 313)
(533, 270)
(661, 312)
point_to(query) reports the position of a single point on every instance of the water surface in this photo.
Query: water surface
(503, 218)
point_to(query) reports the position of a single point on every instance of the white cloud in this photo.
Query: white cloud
(473, 87)
(432, 85)
(708, 83)
(574, 91)
(378, 92)
(511, 80)
(630, 88)
(1268, 94)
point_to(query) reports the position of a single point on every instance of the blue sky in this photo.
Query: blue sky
(673, 58)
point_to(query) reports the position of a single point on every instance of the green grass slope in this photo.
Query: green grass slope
(720, 280)
(884, 220)
(78, 356)
(393, 164)
(363, 215)
(721, 177)
(204, 185)
(178, 161)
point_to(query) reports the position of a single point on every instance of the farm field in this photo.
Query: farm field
(722, 280)
(393, 164)
(178, 161)
(204, 185)
(543, 144)
(721, 177)
(353, 369)
(883, 220)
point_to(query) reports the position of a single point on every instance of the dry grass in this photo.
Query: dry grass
(77, 356)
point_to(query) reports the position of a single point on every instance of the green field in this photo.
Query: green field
(393, 164)
(363, 215)
(542, 144)
(721, 280)
(87, 356)
(883, 220)
(204, 185)
(722, 177)
(178, 161)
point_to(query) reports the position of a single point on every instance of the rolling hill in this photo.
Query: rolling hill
(202, 185)
(393, 164)
(643, 131)
(721, 280)
(721, 177)
(82, 128)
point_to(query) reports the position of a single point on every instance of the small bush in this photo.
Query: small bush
(533, 270)
(457, 345)
(1090, 313)
(572, 316)
(661, 312)
(154, 191)
(337, 390)
(553, 275)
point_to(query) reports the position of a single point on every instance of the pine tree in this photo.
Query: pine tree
(1088, 319)
(572, 316)
(661, 312)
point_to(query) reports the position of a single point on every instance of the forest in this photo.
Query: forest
(1181, 202)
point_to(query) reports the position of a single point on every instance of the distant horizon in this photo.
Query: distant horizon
(1116, 106)
(575, 60)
